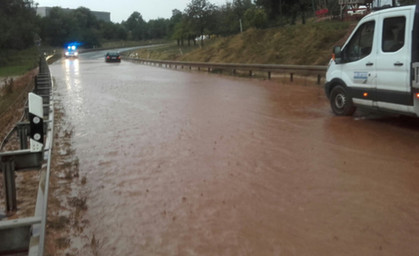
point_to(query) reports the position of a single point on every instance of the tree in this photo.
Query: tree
(88, 27)
(241, 6)
(17, 24)
(303, 6)
(176, 18)
(56, 28)
(272, 7)
(177, 27)
(286, 8)
(200, 15)
(230, 17)
(111, 31)
(136, 26)
(157, 29)
(63, 26)
(256, 17)
(228, 22)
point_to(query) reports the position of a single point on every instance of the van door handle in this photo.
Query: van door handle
(369, 64)
(399, 64)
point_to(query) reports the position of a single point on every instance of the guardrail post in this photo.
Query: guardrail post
(15, 161)
(8, 168)
(250, 73)
(22, 131)
(319, 77)
(209, 69)
(269, 75)
(234, 71)
(292, 77)
(27, 235)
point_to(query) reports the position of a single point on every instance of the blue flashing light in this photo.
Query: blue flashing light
(73, 46)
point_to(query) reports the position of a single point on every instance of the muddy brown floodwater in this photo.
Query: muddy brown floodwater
(184, 163)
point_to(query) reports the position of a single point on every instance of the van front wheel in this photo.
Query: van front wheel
(341, 102)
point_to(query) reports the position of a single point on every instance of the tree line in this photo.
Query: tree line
(20, 27)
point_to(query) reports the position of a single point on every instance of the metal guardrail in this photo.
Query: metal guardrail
(27, 235)
(315, 70)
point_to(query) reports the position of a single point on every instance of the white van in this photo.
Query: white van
(378, 65)
(361, 10)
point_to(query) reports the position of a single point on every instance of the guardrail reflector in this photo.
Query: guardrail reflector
(36, 116)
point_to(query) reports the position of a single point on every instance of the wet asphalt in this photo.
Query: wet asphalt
(191, 163)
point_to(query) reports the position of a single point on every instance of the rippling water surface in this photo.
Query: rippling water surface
(183, 163)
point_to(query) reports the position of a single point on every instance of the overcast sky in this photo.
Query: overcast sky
(121, 9)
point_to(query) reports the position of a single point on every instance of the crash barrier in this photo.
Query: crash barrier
(269, 69)
(35, 132)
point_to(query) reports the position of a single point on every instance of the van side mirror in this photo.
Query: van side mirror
(337, 54)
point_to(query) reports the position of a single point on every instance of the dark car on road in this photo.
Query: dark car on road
(112, 57)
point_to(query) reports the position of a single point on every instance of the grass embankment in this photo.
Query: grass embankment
(17, 69)
(13, 96)
(16, 63)
(308, 44)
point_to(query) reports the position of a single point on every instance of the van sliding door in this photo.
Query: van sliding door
(393, 64)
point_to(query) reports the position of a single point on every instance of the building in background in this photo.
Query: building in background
(45, 11)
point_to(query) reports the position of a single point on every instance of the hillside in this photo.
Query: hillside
(309, 44)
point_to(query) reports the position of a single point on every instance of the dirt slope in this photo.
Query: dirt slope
(309, 44)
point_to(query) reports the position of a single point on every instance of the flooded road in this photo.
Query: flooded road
(184, 163)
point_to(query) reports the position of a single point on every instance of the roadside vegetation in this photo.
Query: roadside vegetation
(262, 31)
(18, 62)
(13, 95)
(244, 20)
(16, 77)
(23, 31)
(308, 44)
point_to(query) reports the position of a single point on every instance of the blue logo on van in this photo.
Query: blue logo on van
(360, 75)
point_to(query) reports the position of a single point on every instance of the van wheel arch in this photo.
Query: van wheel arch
(340, 100)
(335, 82)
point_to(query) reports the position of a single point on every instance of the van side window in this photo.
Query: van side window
(360, 44)
(393, 34)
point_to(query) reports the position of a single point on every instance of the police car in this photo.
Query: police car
(71, 51)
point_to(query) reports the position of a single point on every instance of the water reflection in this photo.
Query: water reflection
(73, 82)
(72, 74)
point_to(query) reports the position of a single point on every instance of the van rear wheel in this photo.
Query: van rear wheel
(341, 102)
